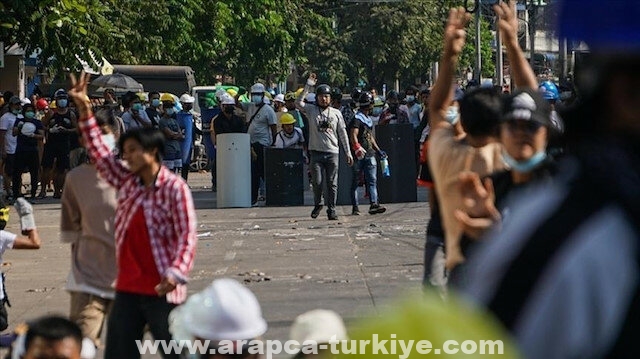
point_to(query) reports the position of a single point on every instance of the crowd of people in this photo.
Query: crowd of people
(534, 208)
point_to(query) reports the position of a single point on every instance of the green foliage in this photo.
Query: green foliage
(468, 56)
(342, 42)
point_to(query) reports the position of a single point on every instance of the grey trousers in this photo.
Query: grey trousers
(324, 177)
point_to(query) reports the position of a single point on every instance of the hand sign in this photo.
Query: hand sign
(507, 20)
(78, 93)
(454, 32)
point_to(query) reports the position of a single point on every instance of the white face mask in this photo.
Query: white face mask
(452, 115)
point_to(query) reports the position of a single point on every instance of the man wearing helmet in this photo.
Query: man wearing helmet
(262, 122)
(327, 131)
(365, 148)
(61, 125)
(224, 122)
(394, 113)
(290, 136)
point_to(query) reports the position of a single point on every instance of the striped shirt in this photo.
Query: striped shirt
(168, 210)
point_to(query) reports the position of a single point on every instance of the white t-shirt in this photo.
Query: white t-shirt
(295, 141)
(6, 242)
(10, 141)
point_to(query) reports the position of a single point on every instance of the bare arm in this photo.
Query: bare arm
(30, 241)
(454, 40)
(523, 75)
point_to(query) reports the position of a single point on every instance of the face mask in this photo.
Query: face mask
(228, 109)
(170, 111)
(62, 103)
(16, 112)
(411, 98)
(376, 111)
(110, 141)
(137, 107)
(452, 115)
(525, 166)
(29, 114)
(155, 102)
(256, 99)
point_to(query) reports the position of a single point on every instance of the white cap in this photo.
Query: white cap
(279, 98)
(257, 88)
(186, 98)
(311, 98)
(24, 101)
(225, 310)
(319, 325)
(226, 99)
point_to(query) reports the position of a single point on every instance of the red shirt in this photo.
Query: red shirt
(137, 272)
(169, 214)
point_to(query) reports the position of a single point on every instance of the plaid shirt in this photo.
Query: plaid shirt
(167, 205)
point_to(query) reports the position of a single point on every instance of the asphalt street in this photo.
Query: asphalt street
(293, 263)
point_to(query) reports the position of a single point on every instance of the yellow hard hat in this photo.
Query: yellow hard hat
(454, 320)
(287, 119)
(53, 104)
(232, 92)
(142, 96)
(167, 97)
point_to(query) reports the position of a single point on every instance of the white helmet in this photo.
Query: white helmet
(319, 326)
(279, 98)
(186, 98)
(225, 310)
(257, 88)
(311, 98)
(226, 99)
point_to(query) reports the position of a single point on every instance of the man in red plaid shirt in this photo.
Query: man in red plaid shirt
(155, 230)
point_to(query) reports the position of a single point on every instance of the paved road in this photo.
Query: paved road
(291, 262)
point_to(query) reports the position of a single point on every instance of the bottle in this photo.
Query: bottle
(384, 167)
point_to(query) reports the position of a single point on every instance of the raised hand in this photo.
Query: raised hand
(454, 32)
(507, 20)
(311, 81)
(78, 93)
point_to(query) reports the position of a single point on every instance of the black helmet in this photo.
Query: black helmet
(355, 94)
(323, 90)
(336, 94)
(366, 99)
(393, 95)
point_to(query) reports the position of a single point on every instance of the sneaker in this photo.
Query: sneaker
(376, 208)
(332, 216)
(355, 211)
(316, 211)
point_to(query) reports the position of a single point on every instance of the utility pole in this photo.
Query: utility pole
(533, 10)
(478, 45)
(499, 60)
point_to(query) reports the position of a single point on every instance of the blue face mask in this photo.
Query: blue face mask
(257, 99)
(155, 102)
(376, 111)
(170, 111)
(137, 107)
(525, 166)
(16, 111)
(411, 99)
(452, 115)
(62, 103)
(29, 114)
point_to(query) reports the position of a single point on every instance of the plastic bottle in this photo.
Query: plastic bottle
(384, 166)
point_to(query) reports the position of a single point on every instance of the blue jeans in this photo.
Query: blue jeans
(324, 177)
(369, 166)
